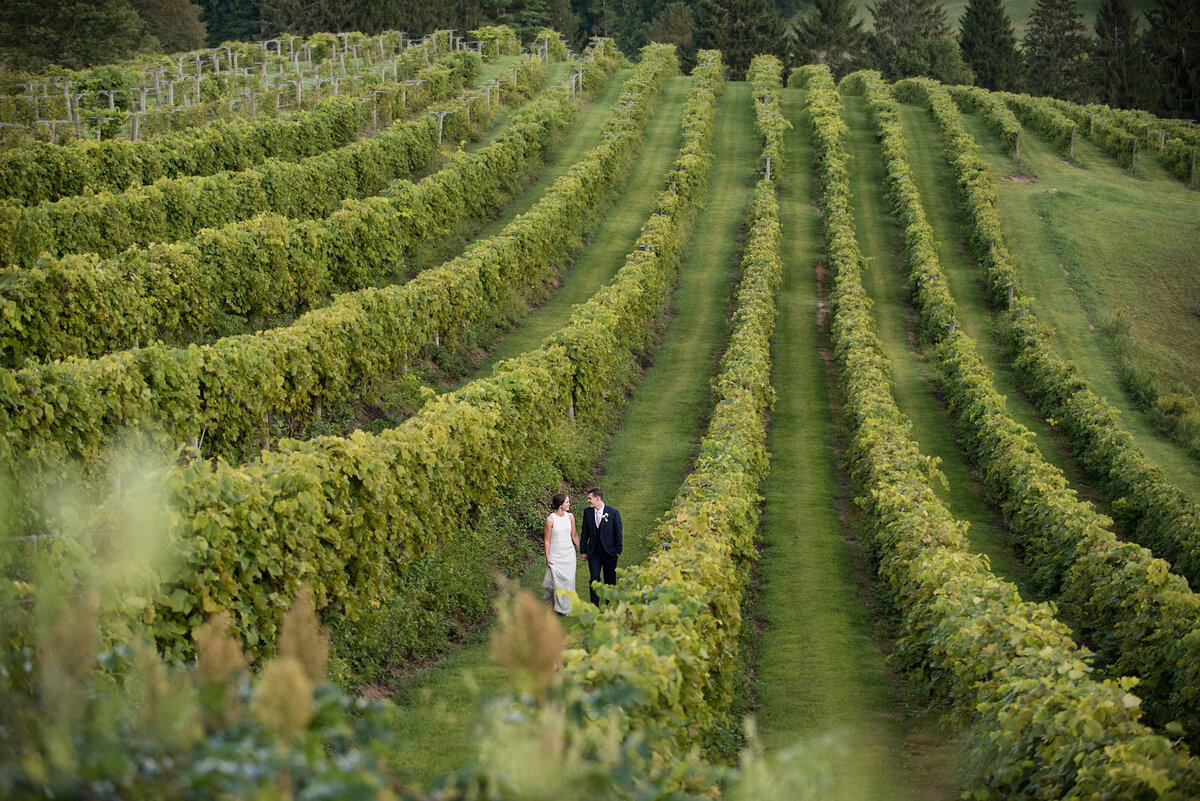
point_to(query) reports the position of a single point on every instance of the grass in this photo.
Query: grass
(613, 238)
(915, 395)
(1088, 239)
(554, 73)
(819, 669)
(935, 182)
(583, 137)
(649, 456)
(658, 438)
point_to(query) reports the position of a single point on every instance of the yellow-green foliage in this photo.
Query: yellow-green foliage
(1175, 142)
(669, 637)
(1041, 114)
(76, 410)
(1039, 726)
(1142, 616)
(273, 263)
(528, 643)
(766, 77)
(343, 514)
(992, 110)
(38, 172)
(555, 45)
(497, 40)
(106, 223)
(1099, 126)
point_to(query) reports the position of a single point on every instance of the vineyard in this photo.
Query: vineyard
(891, 384)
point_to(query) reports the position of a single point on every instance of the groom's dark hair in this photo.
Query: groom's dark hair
(596, 492)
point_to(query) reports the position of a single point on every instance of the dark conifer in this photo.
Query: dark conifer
(1057, 48)
(912, 37)
(740, 29)
(1173, 48)
(1117, 61)
(830, 35)
(989, 45)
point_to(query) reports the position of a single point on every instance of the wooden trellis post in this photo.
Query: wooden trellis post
(441, 115)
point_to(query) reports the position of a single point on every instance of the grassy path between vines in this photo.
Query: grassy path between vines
(916, 396)
(583, 137)
(554, 73)
(615, 235)
(1090, 239)
(819, 669)
(650, 455)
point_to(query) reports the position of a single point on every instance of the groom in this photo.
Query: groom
(600, 542)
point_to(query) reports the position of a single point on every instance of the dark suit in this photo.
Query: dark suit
(601, 545)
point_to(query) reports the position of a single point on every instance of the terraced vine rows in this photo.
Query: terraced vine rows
(664, 663)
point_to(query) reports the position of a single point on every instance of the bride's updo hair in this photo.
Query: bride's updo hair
(557, 501)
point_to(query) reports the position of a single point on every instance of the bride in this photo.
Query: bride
(560, 554)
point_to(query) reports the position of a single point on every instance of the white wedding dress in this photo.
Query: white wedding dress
(560, 576)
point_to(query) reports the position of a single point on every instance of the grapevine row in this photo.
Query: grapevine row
(1041, 115)
(174, 208)
(1121, 131)
(666, 645)
(1159, 515)
(40, 171)
(251, 55)
(221, 394)
(1144, 619)
(1038, 725)
(219, 92)
(271, 264)
(246, 758)
(345, 513)
(991, 107)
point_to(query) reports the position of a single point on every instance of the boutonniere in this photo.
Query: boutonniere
(602, 519)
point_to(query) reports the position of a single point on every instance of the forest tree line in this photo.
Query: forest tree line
(1121, 58)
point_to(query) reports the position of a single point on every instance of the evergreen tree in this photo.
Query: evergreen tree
(1173, 49)
(563, 20)
(628, 25)
(526, 17)
(174, 24)
(69, 33)
(629, 22)
(417, 17)
(740, 29)
(989, 45)
(1056, 51)
(912, 37)
(676, 25)
(830, 35)
(1116, 64)
(230, 20)
(595, 17)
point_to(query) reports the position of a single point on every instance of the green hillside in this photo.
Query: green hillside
(852, 363)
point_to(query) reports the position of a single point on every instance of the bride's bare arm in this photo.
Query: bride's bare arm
(546, 540)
